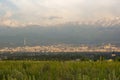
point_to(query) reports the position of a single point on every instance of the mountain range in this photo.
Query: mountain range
(69, 33)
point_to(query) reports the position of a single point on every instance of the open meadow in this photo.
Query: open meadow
(59, 70)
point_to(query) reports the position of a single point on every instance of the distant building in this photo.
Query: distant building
(113, 54)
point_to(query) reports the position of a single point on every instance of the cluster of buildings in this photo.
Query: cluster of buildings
(63, 48)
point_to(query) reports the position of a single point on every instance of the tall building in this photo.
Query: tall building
(24, 42)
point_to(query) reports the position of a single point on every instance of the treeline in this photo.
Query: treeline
(82, 56)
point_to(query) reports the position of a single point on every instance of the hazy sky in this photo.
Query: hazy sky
(50, 12)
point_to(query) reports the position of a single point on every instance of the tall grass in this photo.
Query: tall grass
(55, 70)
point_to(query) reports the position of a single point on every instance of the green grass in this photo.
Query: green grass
(55, 70)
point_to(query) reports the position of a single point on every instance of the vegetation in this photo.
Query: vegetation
(60, 56)
(59, 70)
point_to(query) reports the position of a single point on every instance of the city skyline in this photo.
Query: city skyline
(63, 48)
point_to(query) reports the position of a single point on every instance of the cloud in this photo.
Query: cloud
(45, 12)
(9, 23)
(6, 20)
(54, 17)
(8, 14)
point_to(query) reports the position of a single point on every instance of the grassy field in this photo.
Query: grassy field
(55, 70)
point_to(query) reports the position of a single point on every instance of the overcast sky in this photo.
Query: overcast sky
(49, 12)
